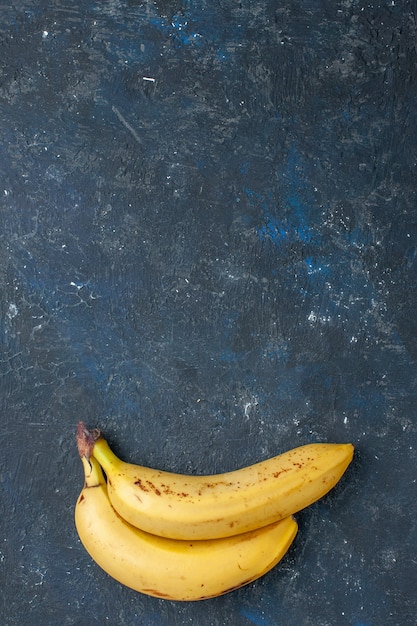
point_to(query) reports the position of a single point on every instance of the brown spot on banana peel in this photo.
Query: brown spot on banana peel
(155, 489)
(141, 485)
(278, 474)
(222, 593)
(82, 496)
(148, 486)
(158, 594)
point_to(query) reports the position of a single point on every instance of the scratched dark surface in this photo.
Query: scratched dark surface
(208, 249)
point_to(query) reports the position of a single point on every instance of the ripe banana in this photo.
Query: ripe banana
(208, 507)
(168, 568)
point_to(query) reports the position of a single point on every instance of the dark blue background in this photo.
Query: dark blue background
(213, 266)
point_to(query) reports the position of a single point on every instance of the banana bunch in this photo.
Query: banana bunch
(194, 537)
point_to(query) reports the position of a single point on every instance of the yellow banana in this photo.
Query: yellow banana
(221, 505)
(168, 568)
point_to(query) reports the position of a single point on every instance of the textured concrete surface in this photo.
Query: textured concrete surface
(208, 249)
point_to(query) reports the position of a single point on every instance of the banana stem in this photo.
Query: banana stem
(86, 440)
(91, 442)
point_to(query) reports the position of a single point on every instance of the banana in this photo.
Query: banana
(208, 507)
(168, 568)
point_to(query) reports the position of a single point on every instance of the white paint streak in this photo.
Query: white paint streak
(126, 124)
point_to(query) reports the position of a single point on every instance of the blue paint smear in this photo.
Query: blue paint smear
(256, 617)
(288, 220)
(275, 353)
(228, 356)
(273, 229)
(81, 333)
(317, 266)
(281, 230)
(295, 176)
(259, 618)
(346, 115)
(179, 29)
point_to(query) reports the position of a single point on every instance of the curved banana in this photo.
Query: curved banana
(222, 505)
(168, 568)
